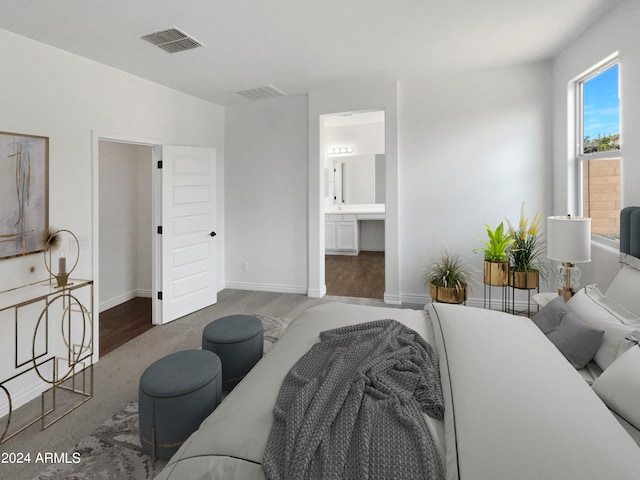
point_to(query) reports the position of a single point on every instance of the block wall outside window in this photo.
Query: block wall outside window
(602, 194)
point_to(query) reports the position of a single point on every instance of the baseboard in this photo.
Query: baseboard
(414, 299)
(266, 287)
(317, 293)
(346, 253)
(392, 299)
(125, 297)
(25, 396)
(369, 248)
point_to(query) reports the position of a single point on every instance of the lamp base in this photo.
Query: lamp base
(566, 293)
(568, 280)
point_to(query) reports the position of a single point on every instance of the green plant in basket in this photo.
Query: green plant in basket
(527, 252)
(496, 249)
(496, 256)
(449, 277)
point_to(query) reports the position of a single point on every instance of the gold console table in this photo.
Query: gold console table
(46, 344)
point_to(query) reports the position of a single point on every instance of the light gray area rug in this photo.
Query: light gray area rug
(113, 451)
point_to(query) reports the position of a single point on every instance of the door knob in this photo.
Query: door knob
(213, 234)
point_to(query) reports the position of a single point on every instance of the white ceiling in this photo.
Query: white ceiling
(302, 45)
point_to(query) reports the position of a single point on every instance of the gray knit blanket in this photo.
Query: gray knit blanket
(351, 408)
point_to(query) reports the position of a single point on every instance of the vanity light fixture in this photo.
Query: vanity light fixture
(340, 150)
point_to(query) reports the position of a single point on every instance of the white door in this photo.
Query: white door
(188, 230)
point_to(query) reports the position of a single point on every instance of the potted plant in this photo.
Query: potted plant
(496, 256)
(449, 278)
(526, 254)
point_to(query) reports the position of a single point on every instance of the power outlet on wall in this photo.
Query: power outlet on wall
(244, 266)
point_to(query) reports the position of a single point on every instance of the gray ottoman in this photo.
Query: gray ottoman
(176, 394)
(238, 341)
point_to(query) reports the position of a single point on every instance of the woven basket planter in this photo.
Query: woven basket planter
(447, 294)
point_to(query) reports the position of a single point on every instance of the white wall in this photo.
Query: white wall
(125, 222)
(65, 97)
(365, 138)
(266, 195)
(615, 32)
(473, 147)
(470, 149)
(145, 225)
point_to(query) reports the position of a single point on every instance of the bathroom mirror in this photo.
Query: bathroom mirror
(359, 179)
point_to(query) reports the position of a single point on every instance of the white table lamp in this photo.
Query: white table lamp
(569, 242)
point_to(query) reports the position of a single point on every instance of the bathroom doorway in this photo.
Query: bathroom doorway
(354, 203)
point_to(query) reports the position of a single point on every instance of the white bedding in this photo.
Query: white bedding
(521, 411)
(518, 408)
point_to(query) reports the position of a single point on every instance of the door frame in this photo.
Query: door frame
(156, 147)
(379, 97)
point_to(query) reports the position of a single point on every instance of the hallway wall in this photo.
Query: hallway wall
(125, 222)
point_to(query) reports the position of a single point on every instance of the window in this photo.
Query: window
(598, 149)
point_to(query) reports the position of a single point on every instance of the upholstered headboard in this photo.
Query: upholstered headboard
(630, 231)
(626, 284)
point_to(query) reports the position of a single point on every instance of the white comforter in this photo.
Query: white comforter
(518, 409)
(515, 409)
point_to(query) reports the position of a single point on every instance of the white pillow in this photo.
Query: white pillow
(624, 289)
(619, 386)
(590, 295)
(603, 314)
(614, 343)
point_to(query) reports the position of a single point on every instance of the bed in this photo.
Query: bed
(514, 406)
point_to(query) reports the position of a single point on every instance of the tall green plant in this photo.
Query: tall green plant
(527, 250)
(496, 248)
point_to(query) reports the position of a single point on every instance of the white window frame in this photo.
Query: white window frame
(581, 157)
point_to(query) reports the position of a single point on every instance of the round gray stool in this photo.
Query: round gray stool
(238, 341)
(176, 394)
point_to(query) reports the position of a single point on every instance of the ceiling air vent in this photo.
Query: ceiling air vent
(262, 92)
(172, 40)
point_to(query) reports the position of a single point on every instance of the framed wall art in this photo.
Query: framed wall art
(24, 193)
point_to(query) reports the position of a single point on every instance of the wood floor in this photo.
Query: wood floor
(120, 324)
(349, 276)
(355, 276)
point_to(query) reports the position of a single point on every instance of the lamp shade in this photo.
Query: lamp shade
(569, 239)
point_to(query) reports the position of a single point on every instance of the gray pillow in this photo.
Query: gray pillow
(548, 318)
(576, 340)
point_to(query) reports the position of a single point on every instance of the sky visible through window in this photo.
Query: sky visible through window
(602, 105)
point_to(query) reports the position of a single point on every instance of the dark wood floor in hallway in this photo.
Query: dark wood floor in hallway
(349, 276)
(124, 322)
(355, 276)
